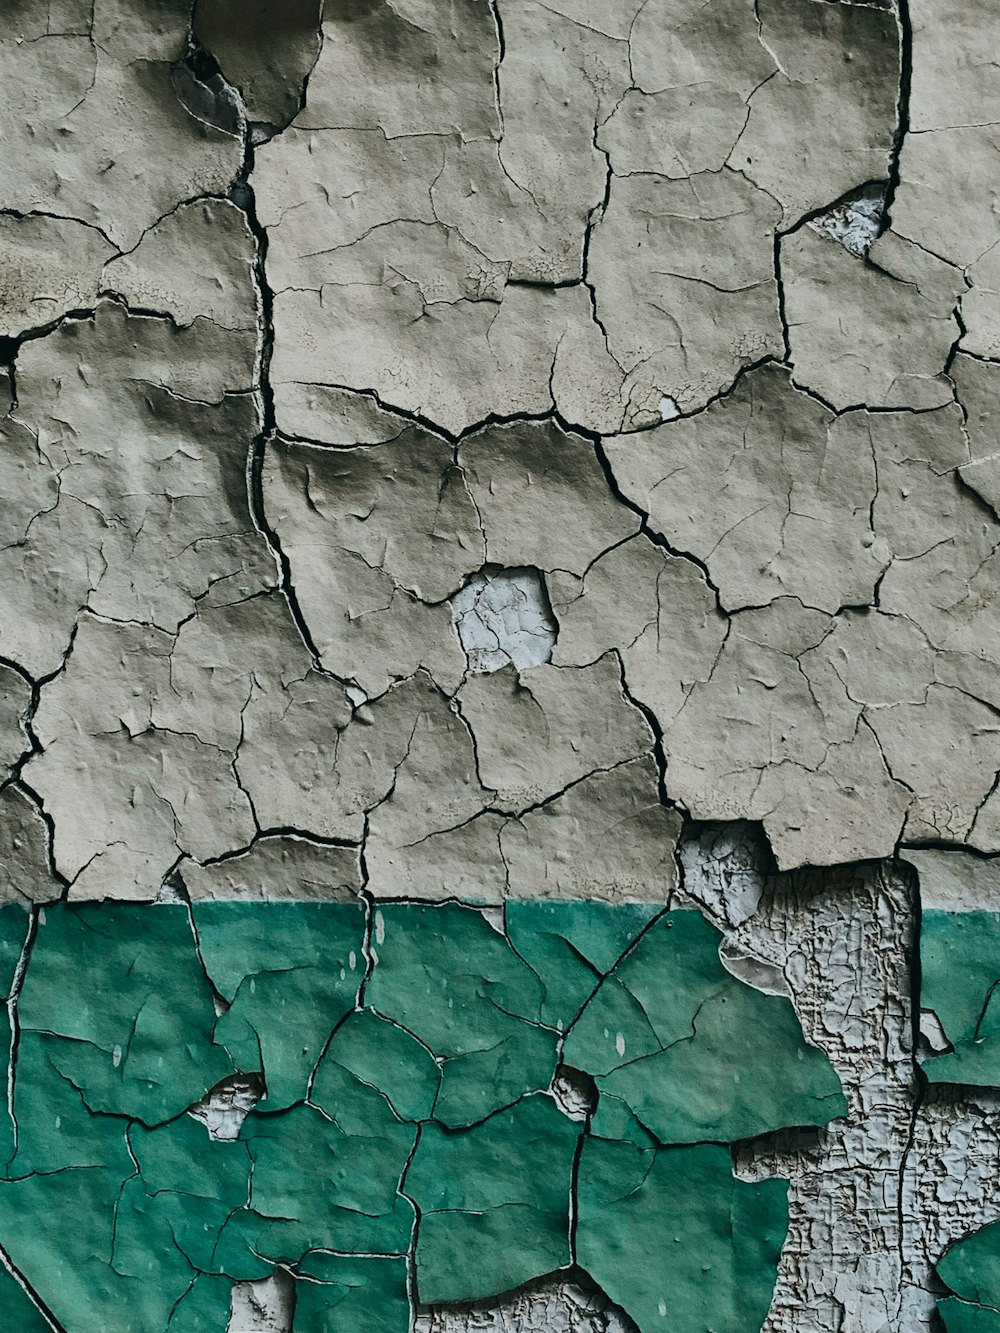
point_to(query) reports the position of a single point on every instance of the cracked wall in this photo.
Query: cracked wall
(499, 746)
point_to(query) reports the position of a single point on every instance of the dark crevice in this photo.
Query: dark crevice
(904, 1217)
(902, 107)
(204, 92)
(657, 538)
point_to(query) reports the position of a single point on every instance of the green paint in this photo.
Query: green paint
(383, 1056)
(205, 1306)
(345, 1294)
(156, 1270)
(447, 976)
(674, 1240)
(571, 946)
(120, 984)
(960, 966)
(320, 1186)
(681, 1043)
(498, 1195)
(413, 1126)
(193, 1186)
(961, 1317)
(58, 1230)
(959, 975)
(971, 1267)
(20, 1315)
(291, 972)
(14, 923)
(55, 1128)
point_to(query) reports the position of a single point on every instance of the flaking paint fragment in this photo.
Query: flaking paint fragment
(101, 81)
(877, 333)
(675, 1240)
(229, 570)
(673, 1043)
(266, 51)
(289, 972)
(499, 1195)
(970, 1270)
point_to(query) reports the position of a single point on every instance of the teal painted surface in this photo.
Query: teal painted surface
(971, 1270)
(959, 972)
(960, 968)
(408, 1124)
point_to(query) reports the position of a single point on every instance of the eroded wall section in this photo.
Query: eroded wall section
(499, 666)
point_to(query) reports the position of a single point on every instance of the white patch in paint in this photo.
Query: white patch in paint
(503, 616)
(356, 695)
(223, 1110)
(856, 222)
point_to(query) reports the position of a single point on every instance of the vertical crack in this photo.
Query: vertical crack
(243, 196)
(902, 107)
(12, 1001)
(904, 1210)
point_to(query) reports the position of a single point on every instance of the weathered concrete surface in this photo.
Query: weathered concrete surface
(454, 452)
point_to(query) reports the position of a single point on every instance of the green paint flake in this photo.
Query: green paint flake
(962, 1317)
(318, 1186)
(445, 975)
(192, 1183)
(675, 1240)
(204, 1308)
(291, 972)
(571, 946)
(681, 1043)
(129, 1244)
(54, 1127)
(614, 1120)
(121, 988)
(493, 1201)
(971, 1267)
(154, 1269)
(339, 1293)
(58, 1231)
(383, 1056)
(240, 1252)
(960, 968)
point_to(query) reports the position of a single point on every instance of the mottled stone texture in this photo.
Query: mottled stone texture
(521, 456)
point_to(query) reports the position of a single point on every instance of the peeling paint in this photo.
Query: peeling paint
(498, 666)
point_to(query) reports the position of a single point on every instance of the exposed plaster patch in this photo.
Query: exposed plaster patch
(503, 617)
(227, 1106)
(540, 1307)
(855, 222)
(265, 1306)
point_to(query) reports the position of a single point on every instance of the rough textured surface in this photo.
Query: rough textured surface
(451, 452)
